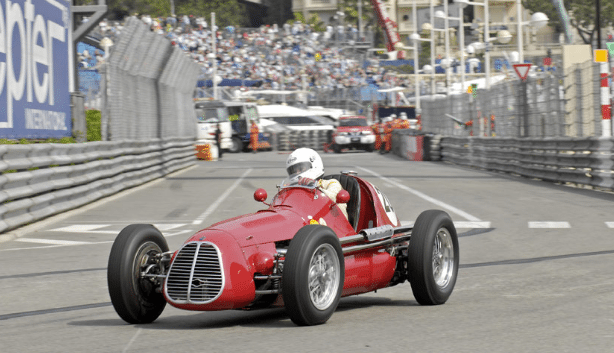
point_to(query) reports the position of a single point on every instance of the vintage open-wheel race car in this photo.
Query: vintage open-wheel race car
(301, 253)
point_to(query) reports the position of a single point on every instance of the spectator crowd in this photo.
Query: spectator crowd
(276, 56)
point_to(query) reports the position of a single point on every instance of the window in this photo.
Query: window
(353, 122)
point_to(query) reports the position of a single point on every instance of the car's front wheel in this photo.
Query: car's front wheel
(433, 257)
(136, 299)
(312, 279)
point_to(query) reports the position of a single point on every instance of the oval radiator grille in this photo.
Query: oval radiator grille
(196, 275)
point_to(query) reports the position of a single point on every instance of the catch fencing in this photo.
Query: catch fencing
(41, 180)
(584, 161)
(552, 104)
(147, 87)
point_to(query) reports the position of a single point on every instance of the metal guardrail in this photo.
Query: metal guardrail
(585, 161)
(291, 140)
(41, 180)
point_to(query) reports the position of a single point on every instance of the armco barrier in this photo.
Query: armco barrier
(586, 161)
(416, 145)
(41, 180)
(291, 140)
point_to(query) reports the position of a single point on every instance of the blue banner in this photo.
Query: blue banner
(35, 68)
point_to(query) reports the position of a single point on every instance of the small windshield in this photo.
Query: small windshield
(292, 182)
(211, 115)
(353, 122)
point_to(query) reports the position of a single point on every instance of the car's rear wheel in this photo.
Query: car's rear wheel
(336, 148)
(312, 279)
(136, 299)
(369, 148)
(433, 257)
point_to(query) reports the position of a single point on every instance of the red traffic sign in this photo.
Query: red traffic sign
(522, 70)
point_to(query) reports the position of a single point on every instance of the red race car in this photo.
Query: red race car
(301, 252)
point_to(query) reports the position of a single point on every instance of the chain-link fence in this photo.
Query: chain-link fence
(551, 104)
(147, 88)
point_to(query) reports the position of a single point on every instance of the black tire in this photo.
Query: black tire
(336, 148)
(237, 145)
(309, 241)
(432, 276)
(369, 148)
(135, 299)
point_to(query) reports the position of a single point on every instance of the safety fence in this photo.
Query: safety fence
(585, 161)
(147, 88)
(291, 140)
(41, 180)
(551, 104)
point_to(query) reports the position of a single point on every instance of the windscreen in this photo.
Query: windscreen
(353, 122)
(211, 115)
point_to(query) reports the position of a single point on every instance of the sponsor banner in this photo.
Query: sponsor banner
(35, 68)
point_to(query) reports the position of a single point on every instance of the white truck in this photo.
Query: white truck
(209, 114)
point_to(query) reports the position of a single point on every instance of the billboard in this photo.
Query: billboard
(35, 68)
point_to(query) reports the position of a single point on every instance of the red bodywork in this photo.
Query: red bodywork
(247, 244)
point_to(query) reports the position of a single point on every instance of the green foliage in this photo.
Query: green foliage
(92, 120)
(24, 141)
(314, 21)
(227, 12)
(424, 58)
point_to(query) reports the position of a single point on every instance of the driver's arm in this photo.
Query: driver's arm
(331, 188)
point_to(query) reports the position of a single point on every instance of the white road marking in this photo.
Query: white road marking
(609, 224)
(220, 199)
(424, 196)
(458, 225)
(80, 228)
(94, 228)
(52, 241)
(56, 243)
(549, 225)
(132, 340)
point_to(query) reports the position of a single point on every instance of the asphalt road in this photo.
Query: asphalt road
(536, 268)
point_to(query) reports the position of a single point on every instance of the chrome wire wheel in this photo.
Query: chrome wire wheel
(323, 278)
(443, 258)
(142, 260)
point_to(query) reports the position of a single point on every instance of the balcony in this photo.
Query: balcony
(312, 5)
(419, 3)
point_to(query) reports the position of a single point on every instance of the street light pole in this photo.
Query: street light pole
(486, 42)
(432, 6)
(519, 33)
(416, 64)
(461, 29)
(447, 39)
(213, 50)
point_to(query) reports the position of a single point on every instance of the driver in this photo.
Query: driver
(306, 164)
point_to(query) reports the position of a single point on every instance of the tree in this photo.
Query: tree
(314, 21)
(227, 12)
(582, 15)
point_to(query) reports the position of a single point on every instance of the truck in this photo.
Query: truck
(240, 115)
(210, 114)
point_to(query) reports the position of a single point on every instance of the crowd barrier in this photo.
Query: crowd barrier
(41, 180)
(585, 161)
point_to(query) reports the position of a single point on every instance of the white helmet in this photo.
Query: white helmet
(306, 163)
(403, 115)
(393, 116)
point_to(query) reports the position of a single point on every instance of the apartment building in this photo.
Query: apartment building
(503, 16)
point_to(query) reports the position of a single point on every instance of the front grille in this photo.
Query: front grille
(196, 274)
